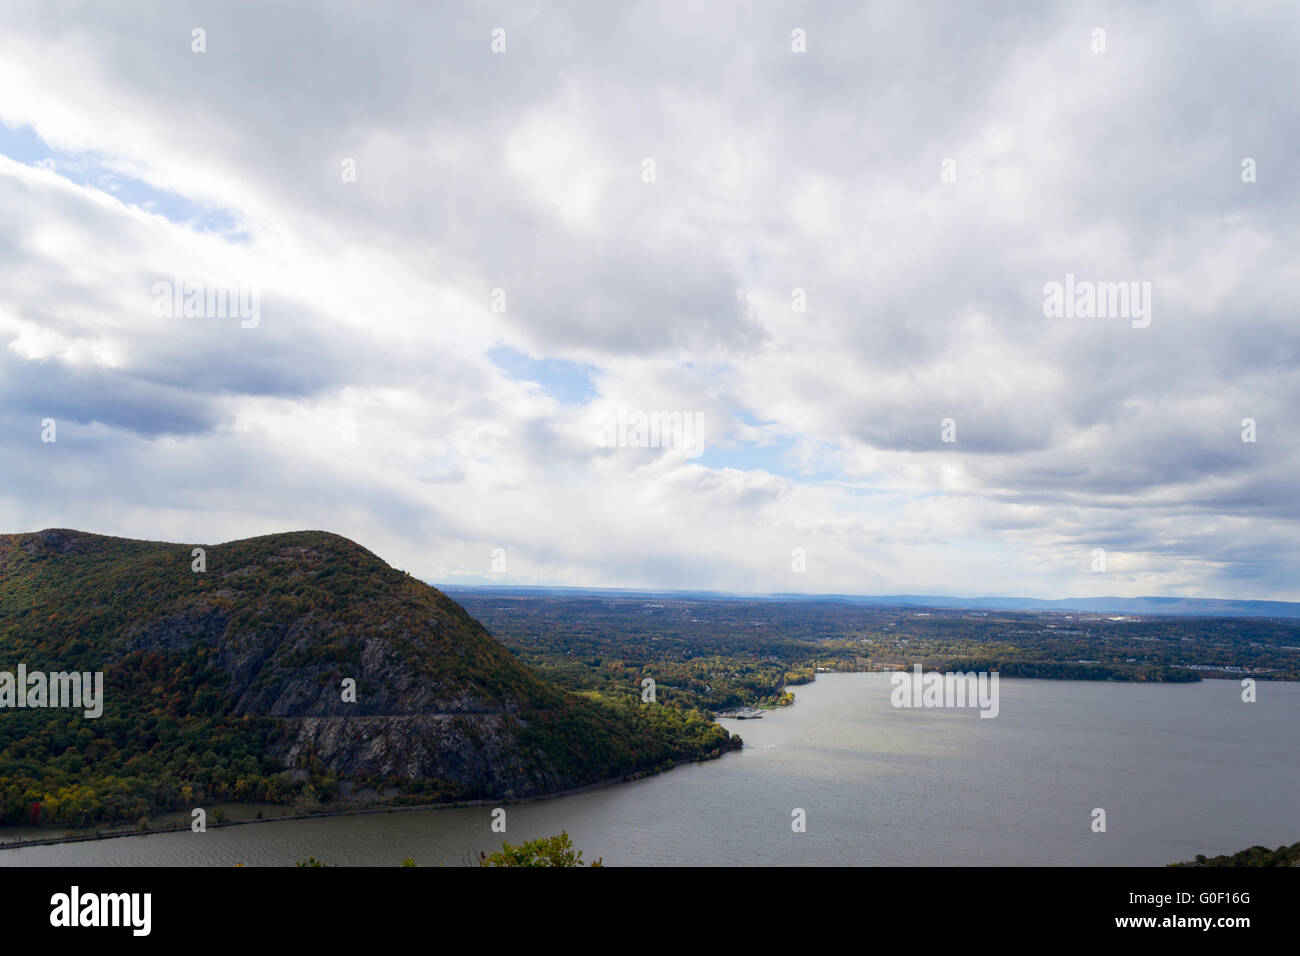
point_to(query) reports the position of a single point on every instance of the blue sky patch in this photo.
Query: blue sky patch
(774, 457)
(566, 381)
(22, 145)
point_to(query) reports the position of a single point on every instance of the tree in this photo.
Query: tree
(555, 850)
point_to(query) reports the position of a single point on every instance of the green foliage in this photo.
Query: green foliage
(1255, 856)
(607, 738)
(555, 850)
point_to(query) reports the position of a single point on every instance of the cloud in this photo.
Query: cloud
(438, 338)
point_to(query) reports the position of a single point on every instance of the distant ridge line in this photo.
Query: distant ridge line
(1188, 607)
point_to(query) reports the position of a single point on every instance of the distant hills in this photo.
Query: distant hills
(228, 684)
(1194, 607)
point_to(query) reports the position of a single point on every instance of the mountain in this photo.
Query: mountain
(228, 684)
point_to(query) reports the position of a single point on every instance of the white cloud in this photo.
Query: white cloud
(776, 171)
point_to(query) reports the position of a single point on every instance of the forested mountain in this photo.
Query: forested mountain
(228, 683)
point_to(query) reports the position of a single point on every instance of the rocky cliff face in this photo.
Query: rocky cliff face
(478, 754)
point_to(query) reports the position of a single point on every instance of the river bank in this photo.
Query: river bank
(91, 834)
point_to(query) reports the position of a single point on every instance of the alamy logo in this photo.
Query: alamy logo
(636, 429)
(1098, 300)
(953, 689)
(102, 909)
(57, 689)
(193, 299)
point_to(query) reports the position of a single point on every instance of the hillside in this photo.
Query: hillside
(226, 685)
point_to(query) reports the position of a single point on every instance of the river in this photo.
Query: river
(1179, 769)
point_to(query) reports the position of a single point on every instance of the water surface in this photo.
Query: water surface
(1180, 769)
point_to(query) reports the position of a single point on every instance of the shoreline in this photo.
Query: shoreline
(356, 811)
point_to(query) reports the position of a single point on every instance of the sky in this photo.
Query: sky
(481, 249)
